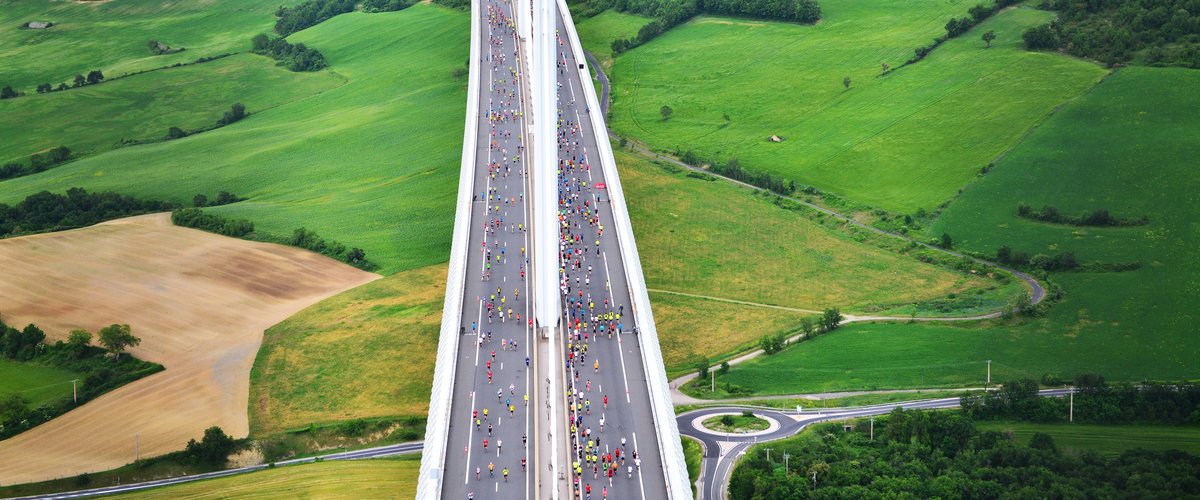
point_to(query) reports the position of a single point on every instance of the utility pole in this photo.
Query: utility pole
(136, 452)
(989, 375)
(814, 479)
(713, 376)
(872, 429)
(74, 392)
(785, 463)
(1071, 414)
(768, 454)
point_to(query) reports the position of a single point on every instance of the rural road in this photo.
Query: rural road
(377, 452)
(721, 450)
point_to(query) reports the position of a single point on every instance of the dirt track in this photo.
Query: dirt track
(200, 303)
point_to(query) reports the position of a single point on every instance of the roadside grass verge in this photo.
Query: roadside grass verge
(1104, 439)
(367, 352)
(351, 163)
(353, 479)
(97, 118)
(113, 36)
(902, 142)
(692, 456)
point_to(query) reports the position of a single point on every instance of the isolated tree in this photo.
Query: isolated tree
(79, 338)
(7, 92)
(78, 341)
(80, 81)
(702, 366)
(724, 368)
(831, 319)
(235, 113)
(61, 86)
(666, 112)
(225, 198)
(946, 241)
(885, 67)
(213, 449)
(95, 76)
(356, 256)
(199, 201)
(176, 133)
(806, 326)
(846, 82)
(116, 338)
(43, 88)
(988, 37)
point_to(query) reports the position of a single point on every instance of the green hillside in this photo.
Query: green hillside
(1127, 146)
(372, 163)
(112, 36)
(97, 117)
(903, 141)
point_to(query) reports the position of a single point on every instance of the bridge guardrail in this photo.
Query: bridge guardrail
(437, 427)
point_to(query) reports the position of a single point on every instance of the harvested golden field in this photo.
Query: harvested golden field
(368, 352)
(200, 303)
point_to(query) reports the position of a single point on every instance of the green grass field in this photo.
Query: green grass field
(367, 352)
(95, 118)
(901, 142)
(36, 383)
(598, 32)
(1104, 439)
(113, 36)
(351, 163)
(379, 478)
(696, 237)
(1125, 146)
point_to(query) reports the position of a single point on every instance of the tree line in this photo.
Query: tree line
(46, 211)
(732, 169)
(309, 13)
(1099, 217)
(1096, 402)
(387, 5)
(671, 13)
(38, 162)
(1157, 32)
(298, 57)
(93, 77)
(242, 228)
(105, 367)
(935, 454)
(957, 26)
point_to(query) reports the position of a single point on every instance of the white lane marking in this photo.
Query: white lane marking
(641, 483)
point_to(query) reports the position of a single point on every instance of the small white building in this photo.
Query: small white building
(39, 25)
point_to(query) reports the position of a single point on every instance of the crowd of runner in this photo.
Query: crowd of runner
(503, 194)
(598, 458)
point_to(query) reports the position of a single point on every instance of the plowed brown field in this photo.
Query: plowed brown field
(199, 302)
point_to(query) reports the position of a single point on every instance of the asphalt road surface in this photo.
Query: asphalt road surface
(600, 348)
(721, 452)
(490, 416)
